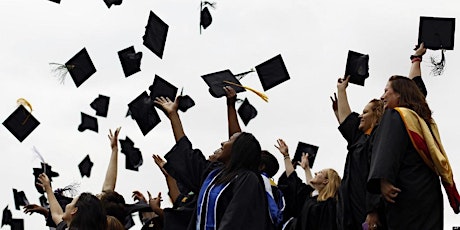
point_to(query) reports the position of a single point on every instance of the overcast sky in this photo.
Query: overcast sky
(313, 38)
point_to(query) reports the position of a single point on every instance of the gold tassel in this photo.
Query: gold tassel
(25, 103)
(260, 94)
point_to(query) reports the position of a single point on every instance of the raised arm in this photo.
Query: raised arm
(283, 148)
(416, 59)
(112, 169)
(55, 207)
(233, 124)
(170, 108)
(304, 163)
(342, 99)
(170, 181)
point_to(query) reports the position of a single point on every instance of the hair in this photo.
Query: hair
(410, 96)
(269, 163)
(114, 224)
(330, 190)
(114, 205)
(245, 155)
(90, 214)
(377, 110)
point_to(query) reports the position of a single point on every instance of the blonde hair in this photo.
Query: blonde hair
(114, 224)
(330, 190)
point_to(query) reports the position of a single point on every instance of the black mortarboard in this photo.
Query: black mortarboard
(21, 123)
(45, 168)
(305, 148)
(109, 3)
(85, 166)
(17, 224)
(216, 83)
(272, 72)
(246, 111)
(56, 1)
(101, 105)
(155, 35)
(357, 67)
(205, 15)
(80, 67)
(437, 33)
(142, 110)
(130, 61)
(162, 88)
(20, 198)
(7, 216)
(88, 122)
(185, 103)
(133, 155)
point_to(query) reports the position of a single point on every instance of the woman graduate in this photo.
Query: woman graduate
(408, 160)
(230, 191)
(307, 211)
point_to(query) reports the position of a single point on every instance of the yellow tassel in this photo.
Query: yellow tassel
(260, 94)
(25, 103)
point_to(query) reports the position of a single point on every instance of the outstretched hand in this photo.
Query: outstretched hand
(44, 181)
(168, 106)
(138, 196)
(155, 203)
(335, 106)
(33, 208)
(160, 163)
(304, 163)
(282, 147)
(113, 137)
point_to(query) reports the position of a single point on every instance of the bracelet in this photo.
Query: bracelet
(415, 58)
(286, 157)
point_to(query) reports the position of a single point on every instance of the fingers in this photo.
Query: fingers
(150, 195)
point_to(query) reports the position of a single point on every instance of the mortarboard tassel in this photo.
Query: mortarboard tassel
(60, 70)
(71, 189)
(260, 94)
(438, 67)
(25, 103)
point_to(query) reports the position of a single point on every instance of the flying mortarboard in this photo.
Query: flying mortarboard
(17, 224)
(101, 105)
(437, 33)
(88, 122)
(247, 111)
(56, 1)
(130, 61)
(85, 166)
(162, 88)
(21, 123)
(133, 155)
(80, 67)
(272, 72)
(47, 169)
(109, 3)
(216, 82)
(142, 110)
(20, 198)
(7, 216)
(357, 67)
(305, 148)
(185, 103)
(205, 15)
(155, 34)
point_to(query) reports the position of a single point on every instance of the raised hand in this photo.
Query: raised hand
(420, 50)
(44, 181)
(230, 94)
(33, 208)
(168, 106)
(113, 137)
(160, 163)
(282, 147)
(342, 83)
(155, 203)
(138, 196)
(304, 163)
(335, 106)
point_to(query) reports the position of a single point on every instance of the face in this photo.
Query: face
(70, 210)
(224, 153)
(320, 178)
(390, 98)
(367, 118)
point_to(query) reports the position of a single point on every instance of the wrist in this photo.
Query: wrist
(415, 58)
(286, 156)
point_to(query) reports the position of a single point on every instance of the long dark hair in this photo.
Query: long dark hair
(245, 155)
(410, 96)
(114, 205)
(90, 214)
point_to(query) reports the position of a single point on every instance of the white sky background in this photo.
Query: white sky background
(313, 38)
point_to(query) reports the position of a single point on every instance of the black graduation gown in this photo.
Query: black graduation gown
(354, 200)
(306, 211)
(419, 205)
(242, 205)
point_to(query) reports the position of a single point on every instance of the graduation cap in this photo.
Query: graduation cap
(56, 1)
(7, 216)
(20, 198)
(436, 33)
(185, 103)
(17, 224)
(216, 82)
(133, 155)
(162, 88)
(85, 166)
(130, 61)
(247, 111)
(357, 67)
(142, 110)
(205, 15)
(272, 72)
(101, 105)
(21, 123)
(80, 67)
(305, 148)
(88, 122)
(47, 169)
(155, 34)
(109, 3)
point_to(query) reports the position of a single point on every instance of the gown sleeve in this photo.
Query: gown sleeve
(295, 193)
(349, 128)
(420, 84)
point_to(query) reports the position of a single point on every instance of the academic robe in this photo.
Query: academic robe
(305, 211)
(419, 205)
(354, 200)
(242, 205)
